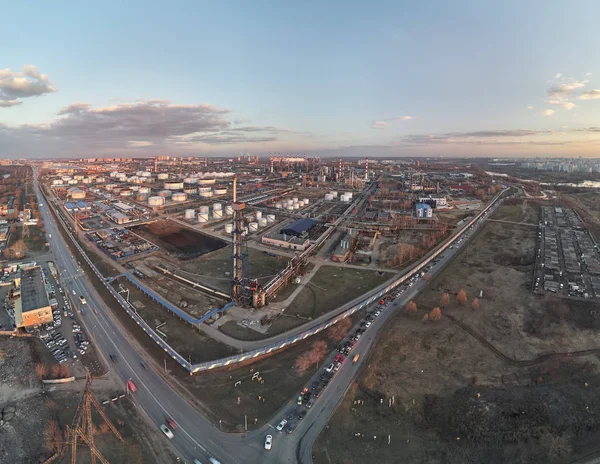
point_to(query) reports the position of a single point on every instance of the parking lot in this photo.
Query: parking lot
(568, 259)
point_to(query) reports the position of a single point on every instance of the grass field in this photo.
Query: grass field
(455, 399)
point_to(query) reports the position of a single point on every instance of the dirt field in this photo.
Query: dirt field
(476, 392)
(331, 287)
(179, 242)
(188, 341)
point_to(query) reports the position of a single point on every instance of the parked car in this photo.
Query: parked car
(166, 431)
(281, 425)
(268, 442)
(330, 368)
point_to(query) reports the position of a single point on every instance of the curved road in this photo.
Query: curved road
(196, 437)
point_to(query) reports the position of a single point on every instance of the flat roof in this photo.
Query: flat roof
(33, 290)
(122, 206)
(298, 227)
(116, 214)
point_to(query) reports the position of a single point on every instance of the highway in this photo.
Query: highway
(195, 437)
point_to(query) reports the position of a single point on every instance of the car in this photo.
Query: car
(290, 416)
(74, 292)
(337, 358)
(337, 367)
(113, 358)
(299, 401)
(310, 403)
(330, 368)
(166, 431)
(268, 442)
(368, 324)
(314, 385)
(290, 428)
(342, 359)
(281, 425)
(302, 415)
(171, 423)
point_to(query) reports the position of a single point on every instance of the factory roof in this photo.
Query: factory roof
(83, 204)
(298, 227)
(423, 206)
(122, 206)
(70, 205)
(33, 292)
(116, 214)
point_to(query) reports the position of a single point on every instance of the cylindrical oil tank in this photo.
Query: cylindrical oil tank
(306, 202)
(144, 190)
(146, 174)
(203, 217)
(328, 197)
(253, 226)
(349, 194)
(206, 194)
(190, 214)
(165, 193)
(163, 176)
(135, 188)
(295, 199)
(173, 185)
(179, 196)
(290, 207)
(290, 202)
(125, 193)
(270, 218)
(334, 193)
(156, 201)
(217, 206)
(220, 191)
(204, 189)
(228, 228)
(262, 222)
(141, 197)
(217, 213)
(190, 191)
(278, 205)
(258, 214)
(207, 181)
(229, 210)
(296, 205)
(190, 180)
(204, 209)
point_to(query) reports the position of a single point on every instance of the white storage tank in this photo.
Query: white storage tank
(290, 202)
(190, 191)
(295, 199)
(220, 191)
(306, 202)
(206, 194)
(144, 190)
(328, 197)
(217, 214)
(278, 205)
(190, 214)
(349, 194)
(204, 209)
(229, 210)
(165, 193)
(217, 207)
(228, 228)
(179, 196)
(203, 217)
(173, 185)
(146, 174)
(190, 180)
(139, 173)
(126, 193)
(270, 218)
(262, 222)
(296, 205)
(204, 189)
(334, 193)
(258, 215)
(290, 207)
(253, 226)
(207, 181)
(163, 176)
(156, 201)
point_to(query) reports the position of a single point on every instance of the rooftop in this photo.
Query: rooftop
(298, 227)
(33, 291)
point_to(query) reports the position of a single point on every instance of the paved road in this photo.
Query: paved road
(195, 436)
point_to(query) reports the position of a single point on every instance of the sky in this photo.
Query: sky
(333, 78)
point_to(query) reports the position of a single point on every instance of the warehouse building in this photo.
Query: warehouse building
(298, 228)
(423, 211)
(31, 307)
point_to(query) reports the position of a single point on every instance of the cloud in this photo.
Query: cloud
(16, 85)
(529, 107)
(385, 123)
(548, 112)
(565, 89)
(587, 74)
(558, 76)
(141, 125)
(593, 94)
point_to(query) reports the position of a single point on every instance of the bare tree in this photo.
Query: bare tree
(316, 354)
(55, 371)
(444, 300)
(65, 371)
(53, 437)
(338, 331)
(41, 370)
(435, 314)
(461, 297)
(411, 308)
(425, 317)
(475, 304)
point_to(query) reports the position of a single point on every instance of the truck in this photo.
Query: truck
(356, 358)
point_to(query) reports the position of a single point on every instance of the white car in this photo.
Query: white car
(74, 292)
(329, 368)
(281, 425)
(166, 431)
(268, 442)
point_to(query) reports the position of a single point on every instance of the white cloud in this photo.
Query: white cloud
(593, 94)
(16, 85)
(548, 112)
(558, 76)
(529, 107)
(587, 74)
(563, 90)
(385, 123)
(568, 105)
(139, 143)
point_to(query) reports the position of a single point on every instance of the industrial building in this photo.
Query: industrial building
(289, 242)
(31, 307)
(434, 202)
(423, 211)
(299, 227)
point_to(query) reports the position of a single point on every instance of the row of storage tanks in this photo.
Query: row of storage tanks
(292, 204)
(204, 213)
(346, 197)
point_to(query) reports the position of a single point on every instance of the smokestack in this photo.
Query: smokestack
(367, 169)
(234, 189)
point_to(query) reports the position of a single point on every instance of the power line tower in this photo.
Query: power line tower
(82, 428)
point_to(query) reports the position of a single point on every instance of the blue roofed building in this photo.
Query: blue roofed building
(423, 211)
(299, 227)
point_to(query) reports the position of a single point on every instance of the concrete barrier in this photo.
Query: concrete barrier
(65, 380)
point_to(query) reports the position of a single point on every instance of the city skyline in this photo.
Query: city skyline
(384, 79)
